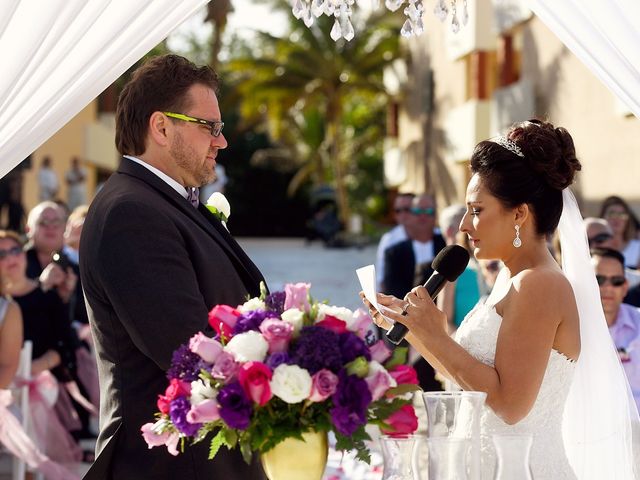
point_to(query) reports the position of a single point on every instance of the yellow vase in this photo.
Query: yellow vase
(295, 459)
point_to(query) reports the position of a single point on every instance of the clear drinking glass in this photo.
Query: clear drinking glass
(448, 458)
(512, 456)
(456, 415)
(397, 452)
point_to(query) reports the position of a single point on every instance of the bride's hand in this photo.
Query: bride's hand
(421, 316)
(389, 302)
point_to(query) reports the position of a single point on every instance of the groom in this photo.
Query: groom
(154, 262)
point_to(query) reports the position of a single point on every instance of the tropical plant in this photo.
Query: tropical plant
(304, 85)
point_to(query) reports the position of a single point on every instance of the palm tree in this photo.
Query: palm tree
(289, 81)
(217, 13)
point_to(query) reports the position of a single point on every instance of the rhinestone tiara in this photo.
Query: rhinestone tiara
(509, 145)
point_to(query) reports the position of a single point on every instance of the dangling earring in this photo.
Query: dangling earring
(516, 241)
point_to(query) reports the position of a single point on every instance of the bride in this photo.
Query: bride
(539, 346)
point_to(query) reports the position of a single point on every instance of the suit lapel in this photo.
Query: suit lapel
(204, 219)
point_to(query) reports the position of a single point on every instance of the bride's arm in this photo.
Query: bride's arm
(531, 315)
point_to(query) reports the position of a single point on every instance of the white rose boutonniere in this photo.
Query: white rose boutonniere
(219, 206)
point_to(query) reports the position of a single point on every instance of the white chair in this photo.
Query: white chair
(22, 401)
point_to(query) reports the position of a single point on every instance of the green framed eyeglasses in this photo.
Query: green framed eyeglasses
(215, 127)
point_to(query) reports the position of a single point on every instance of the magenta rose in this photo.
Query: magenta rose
(333, 323)
(380, 352)
(324, 384)
(177, 388)
(223, 318)
(297, 296)
(225, 367)
(254, 377)
(404, 374)
(206, 348)
(277, 333)
(402, 422)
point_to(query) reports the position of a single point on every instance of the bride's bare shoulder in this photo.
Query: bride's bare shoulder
(546, 287)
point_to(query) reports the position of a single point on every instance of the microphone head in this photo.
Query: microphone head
(451, 262)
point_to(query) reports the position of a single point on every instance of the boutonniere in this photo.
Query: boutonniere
(219, 206)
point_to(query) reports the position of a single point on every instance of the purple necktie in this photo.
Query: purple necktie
(193, 195)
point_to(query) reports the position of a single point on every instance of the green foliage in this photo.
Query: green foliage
(398, 357)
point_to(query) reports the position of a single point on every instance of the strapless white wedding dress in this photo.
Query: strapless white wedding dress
(478, 334)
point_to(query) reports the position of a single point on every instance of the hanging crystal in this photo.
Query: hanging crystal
(455, 24)
(393, 5)
(329, 8)
(441, 11)
(298, 8)
(465, 13)
(407, 29)
(348, 31)
(308, 17)
(375, 4)
(317, 7)
(336, 31)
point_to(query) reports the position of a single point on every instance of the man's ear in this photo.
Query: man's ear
(159, 129)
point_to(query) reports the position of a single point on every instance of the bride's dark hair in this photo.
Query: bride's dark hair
(537, 178)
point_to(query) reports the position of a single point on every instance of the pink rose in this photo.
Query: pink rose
(177, 388)
(157, 439)
(254, 377)
(334, 324)
(378, 380)
(277, 333)
(206, 411)
(223, 318)
(379, 351)
(297, 296)
(207, 348)
(402, 422)
(323, 384)
(362, 321)
(225, 367)
(404, 374)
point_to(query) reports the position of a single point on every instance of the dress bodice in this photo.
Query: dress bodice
(478, 334)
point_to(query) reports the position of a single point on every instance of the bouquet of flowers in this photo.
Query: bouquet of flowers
(282, 365)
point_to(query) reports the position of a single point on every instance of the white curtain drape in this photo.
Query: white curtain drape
(58, 55)
(604, 35)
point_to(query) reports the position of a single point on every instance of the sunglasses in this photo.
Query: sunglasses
(616, 280)
(614, 214)
(51, 222)
(214, 127)
(11, 252)
(423, 211)
(599, 238)
(402, 210)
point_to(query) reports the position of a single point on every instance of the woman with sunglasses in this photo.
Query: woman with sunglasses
(624, 225)
(538, 346)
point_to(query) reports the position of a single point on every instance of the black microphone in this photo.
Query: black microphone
(447, 266)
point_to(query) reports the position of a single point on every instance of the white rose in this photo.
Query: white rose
(341, 313)
(220, 203)
(252, 304)
(291, 383)
(202, 390)
(295, 317)
(248, 347)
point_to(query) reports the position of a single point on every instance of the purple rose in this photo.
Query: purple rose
(225, 367)
(277, 333)
(297, 296)
(251, 320)
(352, 347)
(276, 359)
(206, 348)
(178, 413)
(235, 407)
(351, 400)
(323, 386)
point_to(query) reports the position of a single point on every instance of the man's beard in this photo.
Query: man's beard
(187, 159)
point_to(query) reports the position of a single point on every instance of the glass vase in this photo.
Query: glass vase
(293, 459)
(397, 452)
(456, 415)
(448, 458)
(512, 456)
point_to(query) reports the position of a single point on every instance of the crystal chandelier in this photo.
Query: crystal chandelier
(309, 10)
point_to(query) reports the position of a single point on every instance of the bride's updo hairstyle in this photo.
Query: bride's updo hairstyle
(532, 164)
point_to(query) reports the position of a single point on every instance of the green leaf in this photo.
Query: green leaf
(358, 367)
(404, 388)
(398, 357)
(231, 437)
(217, 442)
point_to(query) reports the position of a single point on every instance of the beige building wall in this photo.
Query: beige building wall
(553, 84)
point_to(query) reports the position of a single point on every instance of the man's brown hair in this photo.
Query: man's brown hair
(159, 85)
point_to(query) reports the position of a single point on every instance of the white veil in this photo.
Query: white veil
(601, 426)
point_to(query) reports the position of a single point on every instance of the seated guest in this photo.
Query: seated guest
(623, 320)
